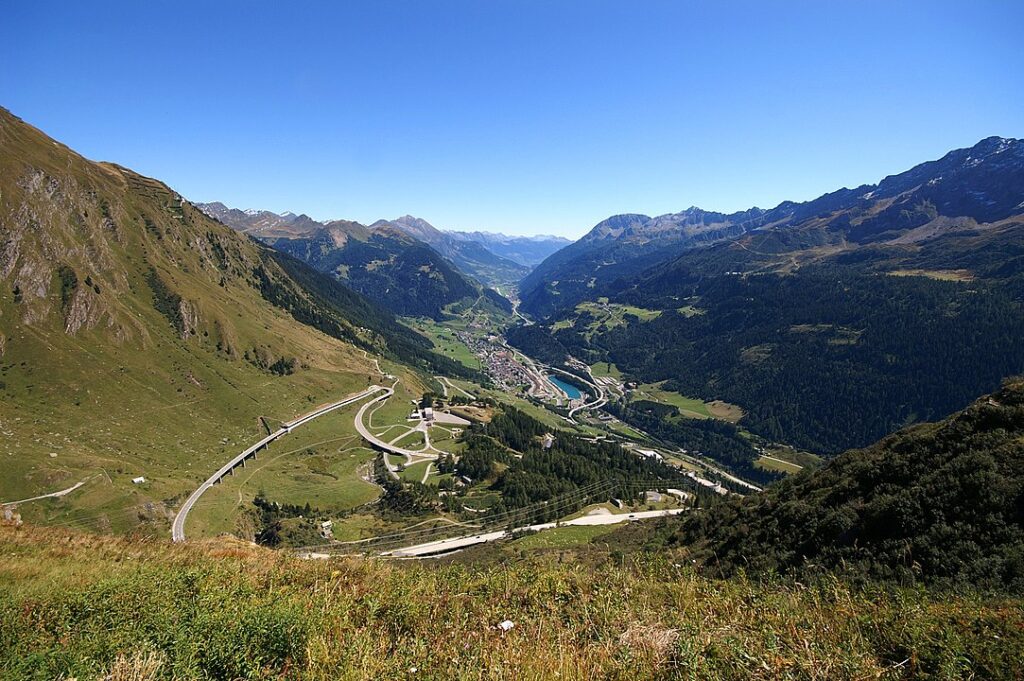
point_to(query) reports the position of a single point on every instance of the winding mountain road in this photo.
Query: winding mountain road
(600, 398)
(51, 495)
(381, 444)
(178, 526)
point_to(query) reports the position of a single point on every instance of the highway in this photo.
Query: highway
(446, 384)
(600, 398)
(447, 545)
(178, 526)
(381, 444)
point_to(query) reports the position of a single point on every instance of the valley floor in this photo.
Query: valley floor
(82, 606)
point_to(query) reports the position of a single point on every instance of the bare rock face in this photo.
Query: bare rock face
(86, 310)
(10, 248)
(33, 284)
(190, 319)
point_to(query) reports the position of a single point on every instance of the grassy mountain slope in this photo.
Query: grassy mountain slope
(78, 606)
(941, 502)
(138, 337)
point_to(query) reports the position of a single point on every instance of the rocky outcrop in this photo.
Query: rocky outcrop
(86, 309)
(190, 319)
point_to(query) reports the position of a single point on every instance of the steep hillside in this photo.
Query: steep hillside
(404, 275)
(621, 246)
(138, 337)
(939, 502)
(967, 191)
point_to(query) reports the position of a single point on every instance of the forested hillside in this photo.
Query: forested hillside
(508, 455)
(402, 274)
(395, 269)
(831, 322)
(826, 359)
(939, 502)
(829, 358)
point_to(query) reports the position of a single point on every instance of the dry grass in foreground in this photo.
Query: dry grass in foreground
(87, 607)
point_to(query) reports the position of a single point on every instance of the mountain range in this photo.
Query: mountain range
(494, 260)
(386, 261)
(903, 298)
(968, 193)
(528, 251)
(469, 255)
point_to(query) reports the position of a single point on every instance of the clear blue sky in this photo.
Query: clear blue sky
(525, 117)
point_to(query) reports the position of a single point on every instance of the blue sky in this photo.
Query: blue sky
(523, 117)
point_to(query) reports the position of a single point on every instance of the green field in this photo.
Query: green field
(323, 463)
(602, 369)
(608, 315)
(442, 439)
(779, 465)
(386, 420)
(412, 439)
(562, 537)
(444, 340)
(689, 406)
(414, 473)
(787, 460)
(624, 429)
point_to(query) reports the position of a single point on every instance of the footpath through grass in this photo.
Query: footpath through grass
(80, 606)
